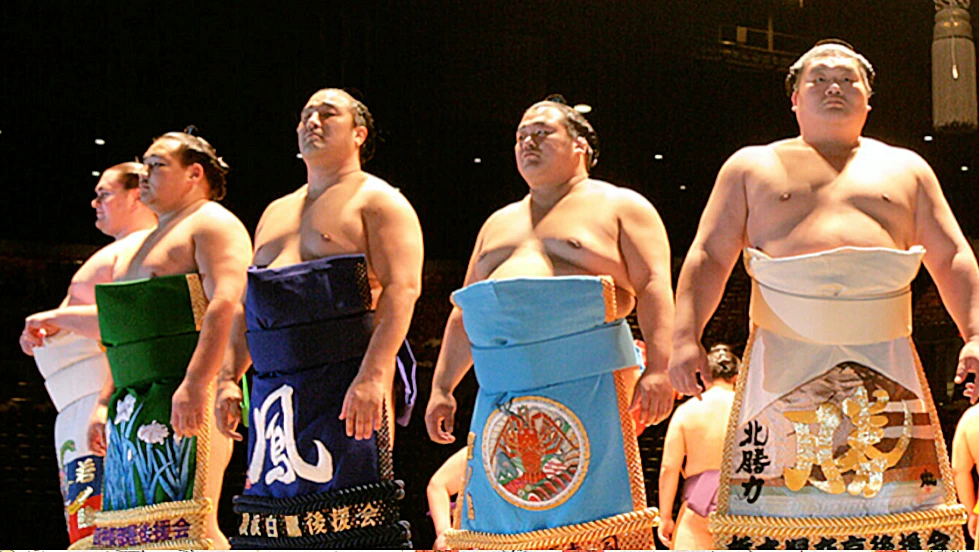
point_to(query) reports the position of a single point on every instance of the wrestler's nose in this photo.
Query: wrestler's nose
(834, 88)
(95, 202)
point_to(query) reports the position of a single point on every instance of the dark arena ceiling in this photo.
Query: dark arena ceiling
(675, 89)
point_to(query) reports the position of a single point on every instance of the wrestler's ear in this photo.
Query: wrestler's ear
(360, 135)
(795, 100)
(580, 144)
(195, 171)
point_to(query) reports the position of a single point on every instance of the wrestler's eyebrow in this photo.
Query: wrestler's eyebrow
(317, 107)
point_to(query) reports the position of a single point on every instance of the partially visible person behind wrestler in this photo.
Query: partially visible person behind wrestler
(965, 453)
(337, 270)
(822, 219)
(65, 344)
(693, 446)
(444, 484)
(553, 246)
(165, 322)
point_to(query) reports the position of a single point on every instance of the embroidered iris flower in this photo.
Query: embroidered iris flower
(154, 433)
(124, 409)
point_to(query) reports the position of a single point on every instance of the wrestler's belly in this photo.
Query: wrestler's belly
(824, 230)
(540, 265)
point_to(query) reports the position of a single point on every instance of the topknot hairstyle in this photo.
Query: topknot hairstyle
(723, 363)
(195, 149)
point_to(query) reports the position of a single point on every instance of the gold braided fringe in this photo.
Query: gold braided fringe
(724, 490)
(198, 299)
(951, 517)
(204, 446)
(943, 463)
(155, 512)
(608, 294)
(629, 442)
(179, 544)
(623, 526)
(84, 543)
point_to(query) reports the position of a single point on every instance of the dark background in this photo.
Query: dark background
(447, 82)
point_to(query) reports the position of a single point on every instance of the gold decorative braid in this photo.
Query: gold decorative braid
(204, 446)
(943, 463)
(155, 512)
(198, 299)
(608, 294)
(631, 522)
(785, 527)
(385, 462)
(84, 543)
(180, 544)
(629, 442)
(724, 490)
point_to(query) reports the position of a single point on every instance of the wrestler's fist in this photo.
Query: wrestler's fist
(968, 364)
(363, 407)
(665, 530)
(653, 398)
(440, 416)
(36, 328)
(188, 403)
(440, 543)
(227, 408)
(688, 359)
(96, 429)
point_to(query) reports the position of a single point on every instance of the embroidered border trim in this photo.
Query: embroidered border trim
(167, 525)
(623, 527)
(84, 543)
(320, 515)
(395, 535)
(947, 518)
(630, 442)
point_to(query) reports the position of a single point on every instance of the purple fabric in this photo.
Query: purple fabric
(700, 491)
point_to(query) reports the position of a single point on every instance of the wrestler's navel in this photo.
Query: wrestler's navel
(574, 243)
(785, 196)
(885, 197)
(325, 236)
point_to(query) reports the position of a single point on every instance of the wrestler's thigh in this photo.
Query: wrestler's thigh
(691, 532)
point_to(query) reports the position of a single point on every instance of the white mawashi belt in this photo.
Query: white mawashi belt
(832, 320)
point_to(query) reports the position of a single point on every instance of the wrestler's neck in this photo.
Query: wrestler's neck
(546, 194)
(721, 384)
(322, 176)
(832, 139)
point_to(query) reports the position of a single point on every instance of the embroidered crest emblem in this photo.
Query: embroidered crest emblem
(535, 452)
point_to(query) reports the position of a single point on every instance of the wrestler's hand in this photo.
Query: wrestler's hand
(665, 530)
(440, 417)
(688, 359)
(227, 408)
(968, 363)
(972, 525)
(96, 429)
(363, 407)
(36, 328)
(188, 404)
(653, 398)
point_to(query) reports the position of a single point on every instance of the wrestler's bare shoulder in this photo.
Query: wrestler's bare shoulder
(376, 194)
(103, 267)
(214, 217)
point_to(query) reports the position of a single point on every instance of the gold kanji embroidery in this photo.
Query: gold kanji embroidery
(315, 523)
(340, 518)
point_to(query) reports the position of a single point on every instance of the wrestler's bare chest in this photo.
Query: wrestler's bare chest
(802, 203)
(165, 251)
(565, 242)
(299, 229)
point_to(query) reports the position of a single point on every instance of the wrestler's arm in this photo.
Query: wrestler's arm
(446, 483)
(395, 253)
(454, 360)
(963, 460)
(222, 250)
(720, 237)
(952, 264)
(77, 312)
(646, 252)
(674, 452)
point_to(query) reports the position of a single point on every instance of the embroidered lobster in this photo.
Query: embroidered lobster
(531, 438)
